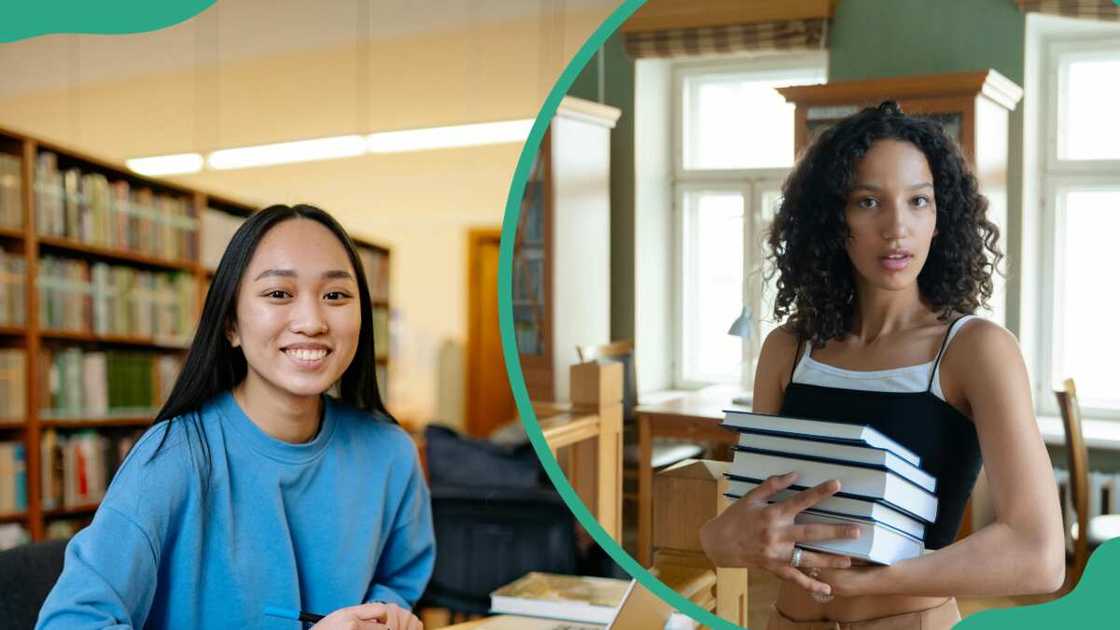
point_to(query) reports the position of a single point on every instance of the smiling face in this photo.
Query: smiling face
(891, 214)
(298, 315)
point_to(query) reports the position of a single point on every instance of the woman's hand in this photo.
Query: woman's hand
(754, 533)
(376, 616)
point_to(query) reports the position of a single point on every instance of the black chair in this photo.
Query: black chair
(496, 519)
(27, 574)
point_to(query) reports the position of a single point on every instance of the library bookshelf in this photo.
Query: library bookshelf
(75, 231)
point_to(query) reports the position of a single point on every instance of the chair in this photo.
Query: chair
(27, 575)
(666, 451)
(1099, 528)
(494, 521)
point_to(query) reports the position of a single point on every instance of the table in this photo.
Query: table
(694, 416)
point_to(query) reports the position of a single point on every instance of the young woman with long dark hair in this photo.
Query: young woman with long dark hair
(883, 253)
(255, 490)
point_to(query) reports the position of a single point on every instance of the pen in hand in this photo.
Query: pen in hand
(288, 613)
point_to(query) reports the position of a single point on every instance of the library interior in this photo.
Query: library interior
(639, 299)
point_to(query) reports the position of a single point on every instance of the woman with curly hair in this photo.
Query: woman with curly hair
(883, 253)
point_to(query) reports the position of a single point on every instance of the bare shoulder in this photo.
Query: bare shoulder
(980, 343)
(983, 364)
(775, 359)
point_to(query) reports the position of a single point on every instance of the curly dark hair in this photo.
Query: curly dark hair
(815, 277)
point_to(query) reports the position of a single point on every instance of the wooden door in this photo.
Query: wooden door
(489, 400)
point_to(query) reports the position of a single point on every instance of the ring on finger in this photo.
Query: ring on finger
(795, 559)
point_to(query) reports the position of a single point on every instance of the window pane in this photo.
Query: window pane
(737, 122)
(1090, 302)
(771, 199)
(1089, 128)
(712, 286)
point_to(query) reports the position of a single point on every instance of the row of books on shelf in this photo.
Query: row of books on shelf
(528, 329)
(884, 491)
(528, 277)
(107, 299)
(94, 385)
(11, 199)
(87, 207)
(76, 468)
(13, 477)
(13, 289)
(13, 384)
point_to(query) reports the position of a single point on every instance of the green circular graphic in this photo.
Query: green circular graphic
(31, 18)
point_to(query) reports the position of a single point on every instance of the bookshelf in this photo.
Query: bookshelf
(561, 261)
(103, 273)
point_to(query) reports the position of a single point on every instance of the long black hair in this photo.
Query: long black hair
(214, 366)
(815, 278)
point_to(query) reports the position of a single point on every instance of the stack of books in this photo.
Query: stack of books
(884, 491)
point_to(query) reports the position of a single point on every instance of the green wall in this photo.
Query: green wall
(884, 38)
(617, 89)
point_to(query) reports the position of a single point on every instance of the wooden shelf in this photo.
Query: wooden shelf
(380, 303)
(16, 331)
(98, 423)
(65, 245)
(13, 517)
(116, 340)
(11, 233)
(7, 424)
(382, 360)
(70, 511)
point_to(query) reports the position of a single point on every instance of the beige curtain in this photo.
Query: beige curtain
(685, 28)
(1088, 9)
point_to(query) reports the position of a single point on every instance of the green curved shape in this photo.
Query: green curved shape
(509, 343)
(1092, 604)
(31, 18)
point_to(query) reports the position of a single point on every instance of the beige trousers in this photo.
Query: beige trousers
(937, 618)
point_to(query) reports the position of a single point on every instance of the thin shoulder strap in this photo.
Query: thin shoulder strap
(796, 359)
(941, 352)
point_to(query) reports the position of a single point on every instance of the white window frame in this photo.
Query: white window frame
(751, 183)
(1056, 177)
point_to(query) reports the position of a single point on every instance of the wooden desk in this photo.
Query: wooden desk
(693, 416)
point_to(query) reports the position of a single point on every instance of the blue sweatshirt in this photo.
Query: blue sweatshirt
(334, 522)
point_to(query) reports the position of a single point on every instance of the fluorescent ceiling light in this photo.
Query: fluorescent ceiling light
(166, 164)
(448, 137)
(287, 152)
(505, 131)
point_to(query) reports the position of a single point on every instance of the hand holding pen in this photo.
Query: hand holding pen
(376, 616)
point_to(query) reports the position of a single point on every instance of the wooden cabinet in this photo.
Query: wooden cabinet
(561, 266)
(973, 107)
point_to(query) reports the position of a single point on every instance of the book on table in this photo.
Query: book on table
(570, 597)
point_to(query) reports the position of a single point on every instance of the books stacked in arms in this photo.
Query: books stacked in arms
(883, 489)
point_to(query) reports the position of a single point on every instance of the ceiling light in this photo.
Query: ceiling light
(287, 152)
(449, 137)
(166, 164)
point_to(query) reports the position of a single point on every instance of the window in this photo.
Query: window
(732, 148)
(1079, 171)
